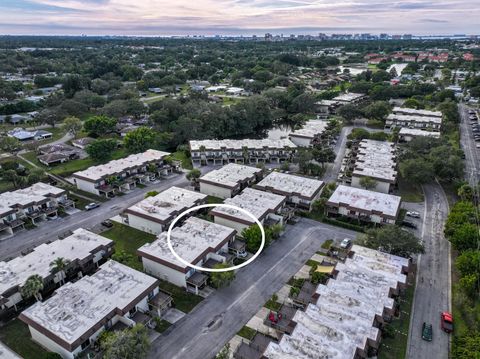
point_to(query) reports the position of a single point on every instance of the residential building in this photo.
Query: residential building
(220, 152)
(329, 107)
(411, 118)
(24, 135)
(68, 323)
(82, 251)
(82, 143)
(301, 192)
(407, 134)
(349, 313)
(38, 202)
(154, 214)
(123, 175)
(310, 131)
(363, 205)
(229, 180)
(197, 241)
(266, 207)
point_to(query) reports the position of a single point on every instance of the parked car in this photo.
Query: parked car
(409, 224)
(107, 223)
(427, 332)
(346, 243)
(413, 214)
(446, 322)
(92, 205)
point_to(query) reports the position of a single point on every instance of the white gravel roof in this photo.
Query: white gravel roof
(291, 184)
(310, 129)
(231, 175)
(414, 118)
(78, 307)
(348, 97)
(376, 159)
(412, 111)
(239, 144)
(418, 132)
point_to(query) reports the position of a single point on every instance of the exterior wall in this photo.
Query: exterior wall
(301, 141)
(374, 218)
(383, 187)
(86, 186)
(163, 272)
(239, 227)
(14, 299)
(143, 224)
(51, 345)
(216, 191)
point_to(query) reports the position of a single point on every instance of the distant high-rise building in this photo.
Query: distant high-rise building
(383, 36)
(268, 37)
(407, 36)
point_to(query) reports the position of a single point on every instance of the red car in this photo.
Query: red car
(447, 322)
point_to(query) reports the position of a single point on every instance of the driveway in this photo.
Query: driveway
(432, 294)
(204, 331)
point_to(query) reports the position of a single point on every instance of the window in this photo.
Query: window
(132, 311)
(85, 344)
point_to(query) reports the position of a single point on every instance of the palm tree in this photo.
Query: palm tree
(58, 266)
(32, 287)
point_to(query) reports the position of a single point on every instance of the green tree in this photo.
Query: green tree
(35, 175)
(349, 112)
(14, 178)
(32, 287)
(73, 125)
(9, 144)
(132, 343)
(465, 237)
(222, 279)
(253, 238)
(194, 174)
(151, 194)
(465, 192)
(97, 126)
(140, 140)
(468, 262)
(417, 171)
(102, 149)
(58, 267)
(377, 110)
(392, 239)
(368, 183)
(224, 353)
(123, 257)
(466, 346)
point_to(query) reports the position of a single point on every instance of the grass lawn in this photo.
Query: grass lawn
(394, 348)
(15, 334)
(181, 156)
(182, 300)
(409, 192)
(247, 332)
(128, 239)
(80, 202)
(161, 325)
(272, 305)
(327, 244)
(213, 199)
(312, 263)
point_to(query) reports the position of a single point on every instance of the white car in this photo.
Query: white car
(413, 214)
(346, 243)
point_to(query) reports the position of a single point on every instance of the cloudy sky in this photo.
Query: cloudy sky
(210, 17)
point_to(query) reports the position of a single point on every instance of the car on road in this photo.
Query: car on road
(346, 243)
(409, 224)
(427, 332)
(446, 322)
(413, 214)
(91, 206)
(107, 223)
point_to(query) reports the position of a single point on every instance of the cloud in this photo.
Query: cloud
(207, 16)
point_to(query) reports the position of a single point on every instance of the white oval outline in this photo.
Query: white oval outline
(213, 270)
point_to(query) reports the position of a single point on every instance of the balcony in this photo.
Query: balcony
(34, 214)
(282, 320)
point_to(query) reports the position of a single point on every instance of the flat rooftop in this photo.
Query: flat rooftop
(96, 173)
(414, 118)
(290, 185)
(7, 353)
(348, 97)
(256, 202)
(412, 111)
(342, 318)
(79, 246)
(167, 204)
(311, 129)
(231, 175)
(376, 159)
(366, 201)
(214, 145)
(78, 307)
(417, 132)
(37, 193)
(190, 241)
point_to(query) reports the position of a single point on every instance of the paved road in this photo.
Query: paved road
(13, 246)
(432, 294)
(195, 336)
(332, 171)
(472, 164)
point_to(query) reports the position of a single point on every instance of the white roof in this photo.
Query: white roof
(256, 202)
(36, 193)
(167, 204)
(189, 241)
(212, 145)
(96, 173)
(305, 187)
(231, 175)
(311, 129)
(78, 307)
(7, 353)
(414, 118)
(376, 159)
(366, 200)
(342, 319)
(418, 132)
(79, 246)
(412, 111)
(348, 97)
